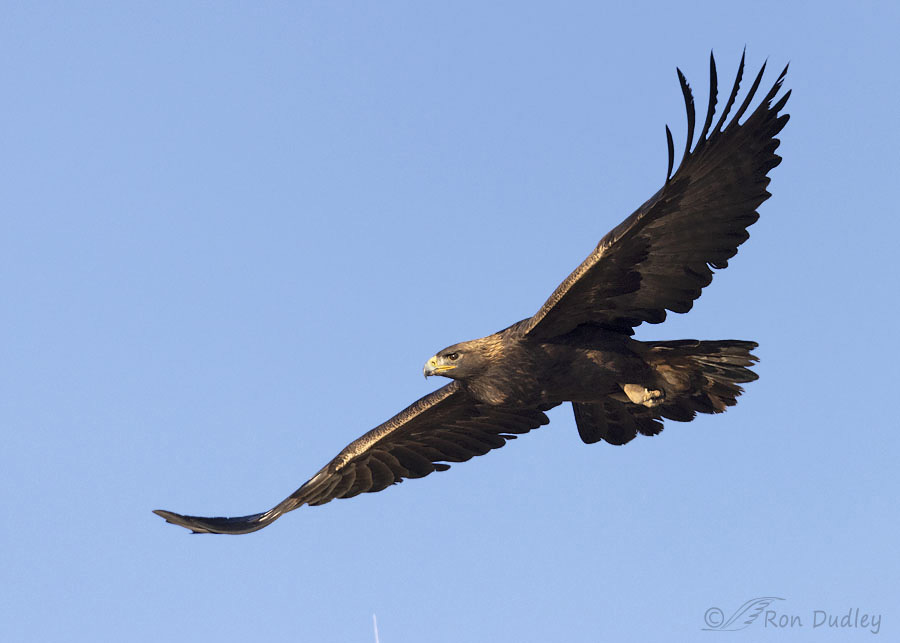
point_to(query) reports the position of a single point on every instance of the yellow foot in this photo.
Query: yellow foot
(644, 396)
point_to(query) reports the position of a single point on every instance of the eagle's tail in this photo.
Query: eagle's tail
(701, 377)
(692, 377)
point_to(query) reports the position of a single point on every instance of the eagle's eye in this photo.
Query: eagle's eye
(453, 356)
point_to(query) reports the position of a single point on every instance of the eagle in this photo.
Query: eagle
(579, 346)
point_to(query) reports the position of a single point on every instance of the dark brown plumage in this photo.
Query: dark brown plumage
(578, 347)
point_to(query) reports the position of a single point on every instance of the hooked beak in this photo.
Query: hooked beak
(435, 367)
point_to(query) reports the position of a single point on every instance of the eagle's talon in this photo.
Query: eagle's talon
(644, 396)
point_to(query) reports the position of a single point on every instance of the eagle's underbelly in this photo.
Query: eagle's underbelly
(590, 375)
(552, 374)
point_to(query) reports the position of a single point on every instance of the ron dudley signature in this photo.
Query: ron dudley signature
(764, 612)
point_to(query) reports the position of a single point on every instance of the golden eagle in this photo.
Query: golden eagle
(579, 348)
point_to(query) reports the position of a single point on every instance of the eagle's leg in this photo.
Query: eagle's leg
(644, 396)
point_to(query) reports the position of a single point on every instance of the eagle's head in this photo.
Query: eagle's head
(462, 360)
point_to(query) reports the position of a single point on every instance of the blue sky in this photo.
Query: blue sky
(232, 234)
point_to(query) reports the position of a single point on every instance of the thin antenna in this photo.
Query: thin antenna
(375, 625)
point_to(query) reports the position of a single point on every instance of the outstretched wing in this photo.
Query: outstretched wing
(447, 425)
(661, 257)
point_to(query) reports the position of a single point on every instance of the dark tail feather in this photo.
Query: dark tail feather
(698, 377)
(701, 377)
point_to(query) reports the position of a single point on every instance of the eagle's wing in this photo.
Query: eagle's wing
(662, 256)
(447, 425)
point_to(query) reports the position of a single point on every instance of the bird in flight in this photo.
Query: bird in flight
(578, 347)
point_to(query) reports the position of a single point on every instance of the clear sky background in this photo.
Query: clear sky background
(233, 232)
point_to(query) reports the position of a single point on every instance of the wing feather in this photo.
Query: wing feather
(733, 96)
(670, 144)
(713, 96)
(344, 483)
(691, 116)
(750, 95)
(661, 257)
(447, 425)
